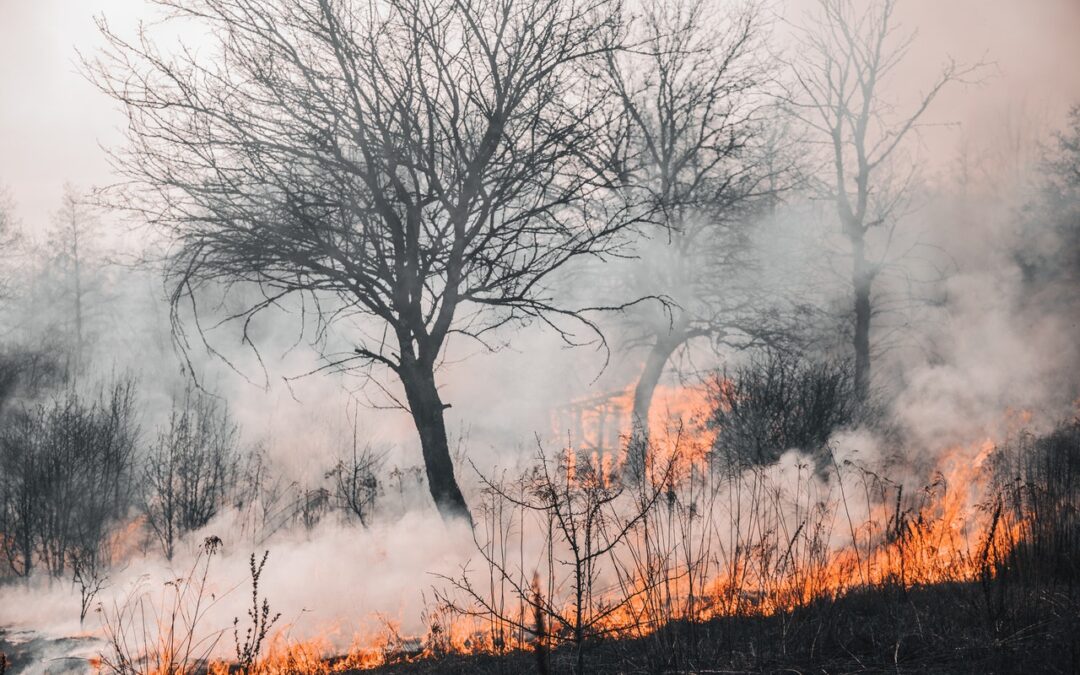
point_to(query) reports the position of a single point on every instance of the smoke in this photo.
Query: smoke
(334, 581)
(957, 366)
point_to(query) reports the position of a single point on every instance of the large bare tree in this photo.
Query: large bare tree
(692, 83)
(847, 59)
(427, 165)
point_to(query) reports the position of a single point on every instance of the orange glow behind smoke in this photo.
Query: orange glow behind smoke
(125, 541)
(820, 548)
(602, 425)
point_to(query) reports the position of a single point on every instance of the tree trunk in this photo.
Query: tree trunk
(862, 280)
(427, 413)
(655, 362)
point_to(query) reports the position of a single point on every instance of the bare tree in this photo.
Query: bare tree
(28, 368)
(424, 165)
(88, 575)
(692, 86)
(7, 216)
(1049, 251)
(846, 59)
(21, 501)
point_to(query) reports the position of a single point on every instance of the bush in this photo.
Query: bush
(191, 471)
(585, 518)
(1040, 478)
(66, 476)
(355, 482)
(776, 402)
(26, 373)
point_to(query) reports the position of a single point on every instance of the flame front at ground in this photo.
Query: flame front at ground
(751, 543)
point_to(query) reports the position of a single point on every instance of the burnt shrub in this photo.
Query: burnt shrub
(191, 470)
(28, 373)
(355, 482)
(1040, 487)
(66, 477)
(778, 401)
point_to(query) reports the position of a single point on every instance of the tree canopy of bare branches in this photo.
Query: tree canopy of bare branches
(847, 57)
(422, 166)
(693, 85)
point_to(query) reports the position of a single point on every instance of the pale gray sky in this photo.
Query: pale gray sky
(52, 121)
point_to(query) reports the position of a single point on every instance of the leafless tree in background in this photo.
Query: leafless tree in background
(692, 85)
(423, 165)
(845, 60)
(28, 364)
(9, 239)
(54, 287)
(1049, 255)
(69, 245)
(191, 471)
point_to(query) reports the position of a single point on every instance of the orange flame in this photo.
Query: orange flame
(801, 547)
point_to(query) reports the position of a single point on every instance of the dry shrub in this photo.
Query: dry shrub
(1040, 479)
(776, 402)
(66, 478)
(583, 515)
(163, 634)
(190, 472)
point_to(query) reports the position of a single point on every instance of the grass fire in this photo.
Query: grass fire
(539, 336)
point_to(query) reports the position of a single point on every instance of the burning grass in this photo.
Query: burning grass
(701, 565)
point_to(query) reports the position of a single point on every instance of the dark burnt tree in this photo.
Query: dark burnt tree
(427, 165)
(845, 61)
(693, 89)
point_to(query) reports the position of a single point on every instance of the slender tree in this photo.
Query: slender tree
(847, 57)
(10, 240)
(70, 245)
(425, 165)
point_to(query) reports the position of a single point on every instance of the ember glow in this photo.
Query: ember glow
(714, 544)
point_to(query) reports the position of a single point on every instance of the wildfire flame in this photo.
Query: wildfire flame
(803, 546)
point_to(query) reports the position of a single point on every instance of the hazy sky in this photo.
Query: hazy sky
(52, 121)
